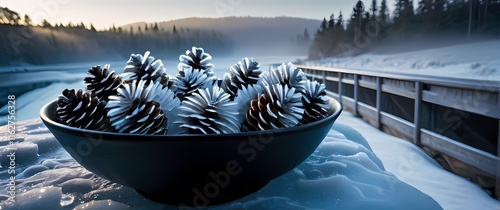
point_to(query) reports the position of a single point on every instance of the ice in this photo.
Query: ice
(103, 204)
(36, 199)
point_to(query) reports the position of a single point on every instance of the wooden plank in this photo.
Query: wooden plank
(367, 111)
(397, 123)
(465, 153)
(348, 81)
(398, 91)
(473, 84)
(368, 85)
(330, 78)
(479, 103)
(348, 102)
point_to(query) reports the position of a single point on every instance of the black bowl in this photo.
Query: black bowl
(192, 170)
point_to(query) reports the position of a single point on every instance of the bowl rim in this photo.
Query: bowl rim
(333, 113)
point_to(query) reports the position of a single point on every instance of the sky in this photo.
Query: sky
(104, 13)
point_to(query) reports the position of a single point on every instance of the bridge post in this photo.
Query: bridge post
(378, 102)
(340, 88)
(356, 92)
(497, 186)
(324, 77)
(417, 112)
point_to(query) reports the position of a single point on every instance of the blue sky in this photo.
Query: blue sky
(104, 13)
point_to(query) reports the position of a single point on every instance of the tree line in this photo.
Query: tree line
(23, 42)
(370, 27)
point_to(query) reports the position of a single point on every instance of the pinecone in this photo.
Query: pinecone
(278, 107)
(101, 83)
(245, 96)
(196, 59)
(143, 68)
(315, 102)
(209, 111)
(189, 80)
(286, 75)
(140, 108)
(79, 109)
(242, 74)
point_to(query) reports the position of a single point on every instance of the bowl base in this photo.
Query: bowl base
(203, 198)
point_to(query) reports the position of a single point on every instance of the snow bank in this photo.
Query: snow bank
(341, 174)
(473, 60)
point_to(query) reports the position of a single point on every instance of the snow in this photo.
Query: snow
(343, 173)
(479, 60)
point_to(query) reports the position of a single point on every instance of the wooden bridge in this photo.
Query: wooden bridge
(457, 121)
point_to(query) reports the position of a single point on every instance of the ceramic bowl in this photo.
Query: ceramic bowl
(191, 170)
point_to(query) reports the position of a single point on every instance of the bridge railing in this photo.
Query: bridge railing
(459, 118)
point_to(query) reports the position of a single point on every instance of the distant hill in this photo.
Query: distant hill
(252, 36)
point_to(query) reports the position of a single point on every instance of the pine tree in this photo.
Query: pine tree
(46, 24)
(382, 13)
(331, 22)
(324, 25)
(146, 27)
(155, 27)
(340, 22)
(356, 21)
(307, 37)
(373, 9)
(423, 6)
(27, 20)
(174, 30)
(92, 28)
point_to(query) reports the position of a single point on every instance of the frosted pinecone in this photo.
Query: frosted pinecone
(189, 80)
(278, 107)
(209, 111)
(196, 59)
(245, 96)
(315, 102)
(140, 108)
(101, 82)
(144, 68)
(245, 72)
(79, 109)
(285, 74)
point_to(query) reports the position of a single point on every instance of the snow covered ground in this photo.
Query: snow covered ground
(478, 60)
(343, 173)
